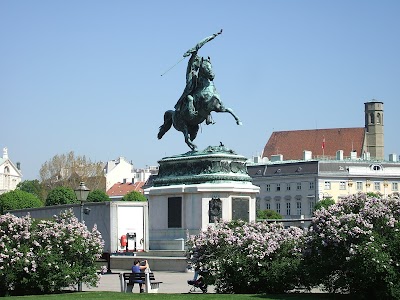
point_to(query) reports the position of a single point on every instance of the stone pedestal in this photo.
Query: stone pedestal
(195, 189)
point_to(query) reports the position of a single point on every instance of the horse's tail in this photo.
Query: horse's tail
(167, 123)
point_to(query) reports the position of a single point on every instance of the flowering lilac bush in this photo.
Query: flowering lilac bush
(48, 255)
(15, 250)
(353, 247)
(248, 257)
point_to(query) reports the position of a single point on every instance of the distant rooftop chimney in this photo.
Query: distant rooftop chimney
(393, 157)
(307, 155)
(277, 157)
(353, 155)
(339, 155)
(19, 165)
(257, 159)
(366, 156)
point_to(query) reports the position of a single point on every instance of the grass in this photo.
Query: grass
(160, 296)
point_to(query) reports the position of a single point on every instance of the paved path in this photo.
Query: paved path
(173, 282)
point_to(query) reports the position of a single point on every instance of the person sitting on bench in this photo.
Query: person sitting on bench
(139, 267)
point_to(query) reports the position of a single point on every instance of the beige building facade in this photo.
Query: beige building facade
(292, 188)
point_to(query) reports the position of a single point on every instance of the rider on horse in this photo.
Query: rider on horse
(191, 78)
(198, 100)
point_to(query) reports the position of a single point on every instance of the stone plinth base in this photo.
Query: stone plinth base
(194, 190)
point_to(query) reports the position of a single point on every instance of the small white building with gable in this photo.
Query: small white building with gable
(10, 175)
(121, 170)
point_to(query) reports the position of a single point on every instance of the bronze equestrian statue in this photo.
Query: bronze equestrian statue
(198, 99)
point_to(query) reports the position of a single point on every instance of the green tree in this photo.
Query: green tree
(325, 203)
(18, 200)
(34, 187)
(61, 195)
(374, 195)
(268, 214)
(97, 196)
(134, 196)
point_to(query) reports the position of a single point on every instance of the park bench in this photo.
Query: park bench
(127, 282)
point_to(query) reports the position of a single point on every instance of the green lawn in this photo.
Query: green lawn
(117, 296)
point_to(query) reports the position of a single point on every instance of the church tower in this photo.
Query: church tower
(374, 136)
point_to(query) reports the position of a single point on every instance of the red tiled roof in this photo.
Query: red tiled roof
(121, 189)
(291, 144)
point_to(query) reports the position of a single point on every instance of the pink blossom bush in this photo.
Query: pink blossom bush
(48, 255)
(248, 257)
(16, 255)
(353, 247)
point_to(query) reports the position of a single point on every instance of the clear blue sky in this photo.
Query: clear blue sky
(85, 75)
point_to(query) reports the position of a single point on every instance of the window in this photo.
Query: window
(288, 208)
(377, 186)
(268, 187)
(311, 186)
(278, 187)
(175, 212)
(311, 206)
(298, 186)
(395, 186)
(327, 185)
(298, 208)
(359, 185)
(267, 205)
(376, 167)
(6, 180)
(342, 185)
(278, 207)
(288, 186)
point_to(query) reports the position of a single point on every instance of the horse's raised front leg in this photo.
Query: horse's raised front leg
(227, 109)
(219, 107)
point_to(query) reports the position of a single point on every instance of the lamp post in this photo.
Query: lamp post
(81, 193)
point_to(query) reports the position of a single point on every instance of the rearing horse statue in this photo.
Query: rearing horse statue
(198, 100)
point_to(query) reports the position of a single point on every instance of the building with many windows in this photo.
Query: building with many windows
(301, 167)
(292, 188)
